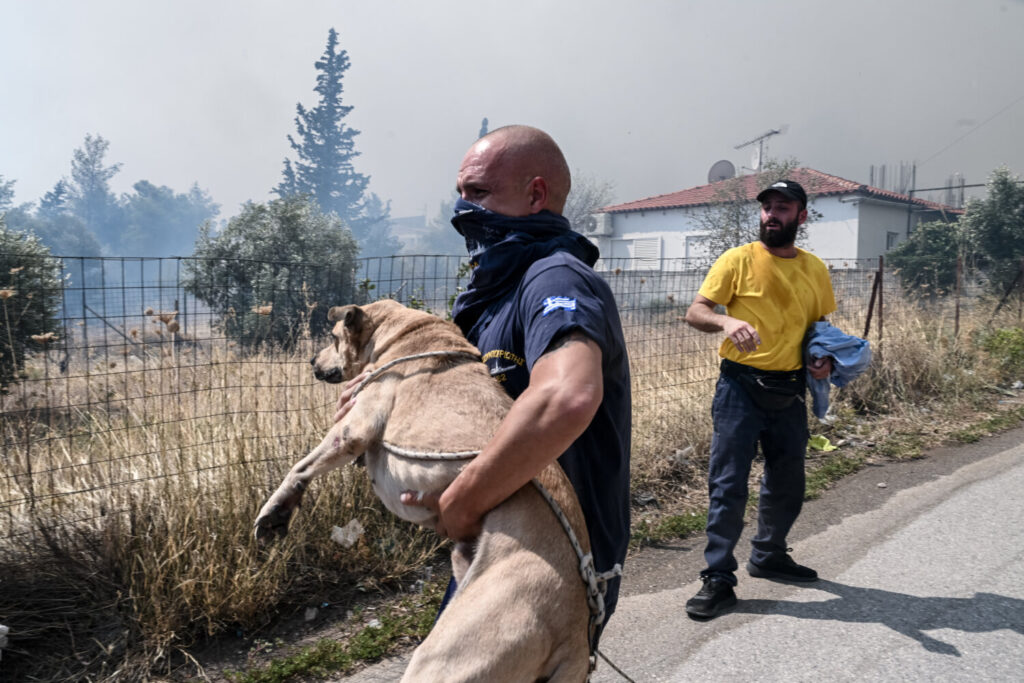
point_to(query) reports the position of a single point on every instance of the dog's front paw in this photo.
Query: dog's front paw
(272, 524)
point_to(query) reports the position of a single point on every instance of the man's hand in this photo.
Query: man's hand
(347, 400)
(820, 368)
(449, 524)
(701, 315)
(742, 334)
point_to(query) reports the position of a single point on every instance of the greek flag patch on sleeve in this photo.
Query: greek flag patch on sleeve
(555, 302)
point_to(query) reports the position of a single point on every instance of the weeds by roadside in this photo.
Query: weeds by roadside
(404, 622)
(155, 556)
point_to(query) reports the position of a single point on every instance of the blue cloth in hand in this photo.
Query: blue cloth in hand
(850, 357)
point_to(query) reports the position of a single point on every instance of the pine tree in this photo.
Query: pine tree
(325, 146)
(91, 199)
(55, 202)
(6, 193)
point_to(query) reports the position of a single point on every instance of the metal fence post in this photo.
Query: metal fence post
(881, 291)
(871, 304)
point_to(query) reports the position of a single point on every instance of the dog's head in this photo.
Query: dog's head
(347, 354)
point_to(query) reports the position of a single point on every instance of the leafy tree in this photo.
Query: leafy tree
(995, 226)
(927, 259)
(161, 222)
(6, 193)
(588, 194)
(30, 294)
(62, 233)
(91, 198)
(274, 270)
(326, 146)
(732, 218)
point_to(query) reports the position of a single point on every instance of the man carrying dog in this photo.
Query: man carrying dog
(772, 292)
(548, 327)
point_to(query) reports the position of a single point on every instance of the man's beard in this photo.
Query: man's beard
(783, 236)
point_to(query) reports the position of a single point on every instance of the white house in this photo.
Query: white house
(857, 222)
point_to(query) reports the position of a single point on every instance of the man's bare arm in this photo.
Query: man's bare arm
(702, 316)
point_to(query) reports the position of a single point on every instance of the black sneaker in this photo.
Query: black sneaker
(781, 567)
(714, 596)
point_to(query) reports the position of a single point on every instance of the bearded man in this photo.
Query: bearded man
(772, 292)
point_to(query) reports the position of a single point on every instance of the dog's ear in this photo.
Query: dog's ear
(353, 319)
(352, 315)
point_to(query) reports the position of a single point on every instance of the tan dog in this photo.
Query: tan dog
(520, 612)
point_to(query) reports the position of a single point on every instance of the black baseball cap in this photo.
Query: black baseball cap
(786, 188)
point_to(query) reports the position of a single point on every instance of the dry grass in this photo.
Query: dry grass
(142, 505)
(926, 386)
(131, 482)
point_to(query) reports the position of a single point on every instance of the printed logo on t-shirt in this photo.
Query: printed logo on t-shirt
(555, 302)
(498, 371)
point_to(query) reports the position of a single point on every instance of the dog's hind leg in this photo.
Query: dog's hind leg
(476, 644)
(343, 444)
(501, 634)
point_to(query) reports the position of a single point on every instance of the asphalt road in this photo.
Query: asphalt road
(922, 580)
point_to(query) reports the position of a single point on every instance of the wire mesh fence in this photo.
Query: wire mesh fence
(164, 369)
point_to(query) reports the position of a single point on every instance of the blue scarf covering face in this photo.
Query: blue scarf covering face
(503, 247)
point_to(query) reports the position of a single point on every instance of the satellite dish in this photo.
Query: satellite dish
(755, 159)
(721, 170)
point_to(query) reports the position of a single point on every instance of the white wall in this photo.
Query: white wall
(878, 219)
(677, 228)
(834, 235)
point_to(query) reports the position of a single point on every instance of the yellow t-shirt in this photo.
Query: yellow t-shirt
(780, 297)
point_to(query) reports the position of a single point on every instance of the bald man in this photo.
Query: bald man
(548, 328)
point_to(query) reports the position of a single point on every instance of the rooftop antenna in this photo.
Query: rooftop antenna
(757, 157)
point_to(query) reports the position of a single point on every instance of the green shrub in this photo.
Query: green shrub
(30, 292)
(1006, 346)
(274, 271)
(926, 261)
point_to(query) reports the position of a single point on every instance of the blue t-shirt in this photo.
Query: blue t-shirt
(559, 294)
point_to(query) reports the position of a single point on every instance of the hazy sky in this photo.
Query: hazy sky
(644, 94)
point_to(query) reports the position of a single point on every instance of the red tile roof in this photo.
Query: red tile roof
(816, 183)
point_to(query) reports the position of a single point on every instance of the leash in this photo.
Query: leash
(427, 455)
(416, 356)
(612, 665)
(405, 452)
(596, 583)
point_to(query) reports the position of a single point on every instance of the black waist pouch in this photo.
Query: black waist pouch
(769, 389)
